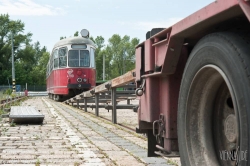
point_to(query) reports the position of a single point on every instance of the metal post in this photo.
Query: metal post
(13, 66)
(113, 98)
(85, 104)
(77, 101)
(8, 82)
(123, 58)
(128, 101)
(124, 64)
(97, 104)
(103, 70)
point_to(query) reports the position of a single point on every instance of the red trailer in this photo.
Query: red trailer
(71, 68)
(194, 83)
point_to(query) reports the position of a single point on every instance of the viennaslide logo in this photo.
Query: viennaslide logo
(235, 155)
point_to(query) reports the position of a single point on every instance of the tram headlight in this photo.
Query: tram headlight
(79, 80)
(85, 80)
(85, 33)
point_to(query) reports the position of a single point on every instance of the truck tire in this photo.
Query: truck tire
(214, 102)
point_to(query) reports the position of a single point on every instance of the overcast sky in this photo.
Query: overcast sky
(48, 20)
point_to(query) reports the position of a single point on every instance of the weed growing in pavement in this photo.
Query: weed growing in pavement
(5, 129)
(12, 124)
(2, 111)
(37, 137)
(172, 162)
(37, 163)
(76, 164)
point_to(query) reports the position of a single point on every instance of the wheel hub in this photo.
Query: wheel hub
(230, 128)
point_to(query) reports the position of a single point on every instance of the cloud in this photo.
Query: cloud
(28, 8)
(148, 25)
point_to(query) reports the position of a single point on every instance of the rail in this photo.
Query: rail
(107, 96)
(34, 93)
(5, 102)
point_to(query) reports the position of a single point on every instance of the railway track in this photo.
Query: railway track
(5, 102)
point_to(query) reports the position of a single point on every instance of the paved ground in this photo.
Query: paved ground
(125, 117)
(69, 136)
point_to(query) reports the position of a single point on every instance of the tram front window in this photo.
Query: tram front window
(84, 58)
(79, 58)
(74, 58)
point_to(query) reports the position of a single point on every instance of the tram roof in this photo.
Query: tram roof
(74, 40)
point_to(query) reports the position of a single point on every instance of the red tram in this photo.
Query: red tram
(71, 67)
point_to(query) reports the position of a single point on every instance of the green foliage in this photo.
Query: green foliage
(76, 33)
(62, 37)
(8, 91)
(119, 55)
(30, 59)
(37, 162)
(13, 95)
(12, 124)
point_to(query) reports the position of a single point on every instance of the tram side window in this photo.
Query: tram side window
(92, 57)
(56, 59)
(51, 63)
(63, 57)
(47, 70)
(73, 58)
(84, 58)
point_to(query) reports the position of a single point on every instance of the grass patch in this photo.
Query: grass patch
(12, 124)
(37, 162)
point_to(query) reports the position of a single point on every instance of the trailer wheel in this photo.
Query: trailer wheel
(214, 102)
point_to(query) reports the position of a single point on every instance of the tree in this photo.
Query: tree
(122, 51)
(30, 59)
(99, 41)
(119, 55)
(62, 37)
(38, 72)
(7, 27)
(76, 33)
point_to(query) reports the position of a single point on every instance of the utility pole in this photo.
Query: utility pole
(103, 70)
(13, 66)
(124, 64)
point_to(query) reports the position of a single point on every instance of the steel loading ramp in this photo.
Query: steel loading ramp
(25, 114)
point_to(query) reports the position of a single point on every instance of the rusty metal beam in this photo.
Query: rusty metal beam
(88, 94)
(123, 80)
(103, 87)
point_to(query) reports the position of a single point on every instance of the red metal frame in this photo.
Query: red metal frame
(161, 59)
